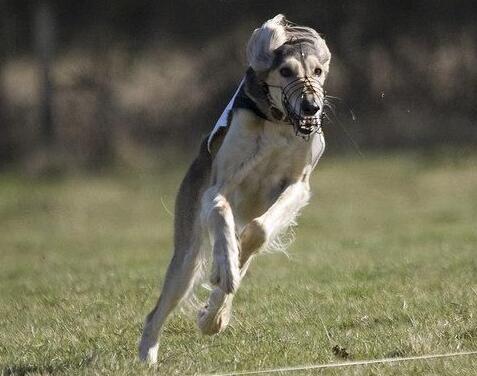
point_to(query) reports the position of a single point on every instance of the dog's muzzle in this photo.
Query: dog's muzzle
(300, 102)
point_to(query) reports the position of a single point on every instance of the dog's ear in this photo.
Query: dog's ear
(264, 41)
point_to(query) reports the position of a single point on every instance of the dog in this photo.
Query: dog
(251, 177)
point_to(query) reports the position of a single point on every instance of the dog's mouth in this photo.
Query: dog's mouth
(303, 125)
(292, 96)
(308, 125)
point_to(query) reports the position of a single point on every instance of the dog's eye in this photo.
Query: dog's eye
(286, 72)
(318, 71)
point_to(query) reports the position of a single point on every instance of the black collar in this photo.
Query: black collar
(242, 100)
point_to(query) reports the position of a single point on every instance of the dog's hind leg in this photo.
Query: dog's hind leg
(186, 262)
(178, 282)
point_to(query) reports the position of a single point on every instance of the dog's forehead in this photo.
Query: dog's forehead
(299, 49)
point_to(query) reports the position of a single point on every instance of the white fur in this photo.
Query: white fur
(222, 122)
(264, 41)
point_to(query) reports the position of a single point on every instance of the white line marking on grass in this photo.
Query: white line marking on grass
(345, 364)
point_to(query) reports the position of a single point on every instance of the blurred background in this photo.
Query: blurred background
(87, 84)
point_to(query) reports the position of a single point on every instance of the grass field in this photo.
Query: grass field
(384, 265)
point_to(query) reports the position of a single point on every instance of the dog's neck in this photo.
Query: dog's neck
(243, 100)
(257, 91)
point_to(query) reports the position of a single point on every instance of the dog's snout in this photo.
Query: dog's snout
(309, 108)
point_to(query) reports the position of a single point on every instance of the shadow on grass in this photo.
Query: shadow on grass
(47, 369)
(25, 369)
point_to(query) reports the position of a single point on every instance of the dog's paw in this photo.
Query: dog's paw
(225, 274)
(214, 317)
(148, 352)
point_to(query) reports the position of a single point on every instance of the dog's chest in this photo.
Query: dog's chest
(283, 161)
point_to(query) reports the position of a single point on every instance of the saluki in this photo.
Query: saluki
(251, 177)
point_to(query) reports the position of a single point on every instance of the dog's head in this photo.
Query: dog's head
(290, 64)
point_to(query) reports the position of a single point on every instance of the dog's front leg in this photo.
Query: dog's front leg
(219, 219)
(278, 217)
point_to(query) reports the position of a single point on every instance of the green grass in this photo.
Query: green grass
(384, 264)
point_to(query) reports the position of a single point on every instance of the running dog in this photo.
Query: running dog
(251, 177)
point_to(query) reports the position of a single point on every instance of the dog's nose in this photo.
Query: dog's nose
(309, 108)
